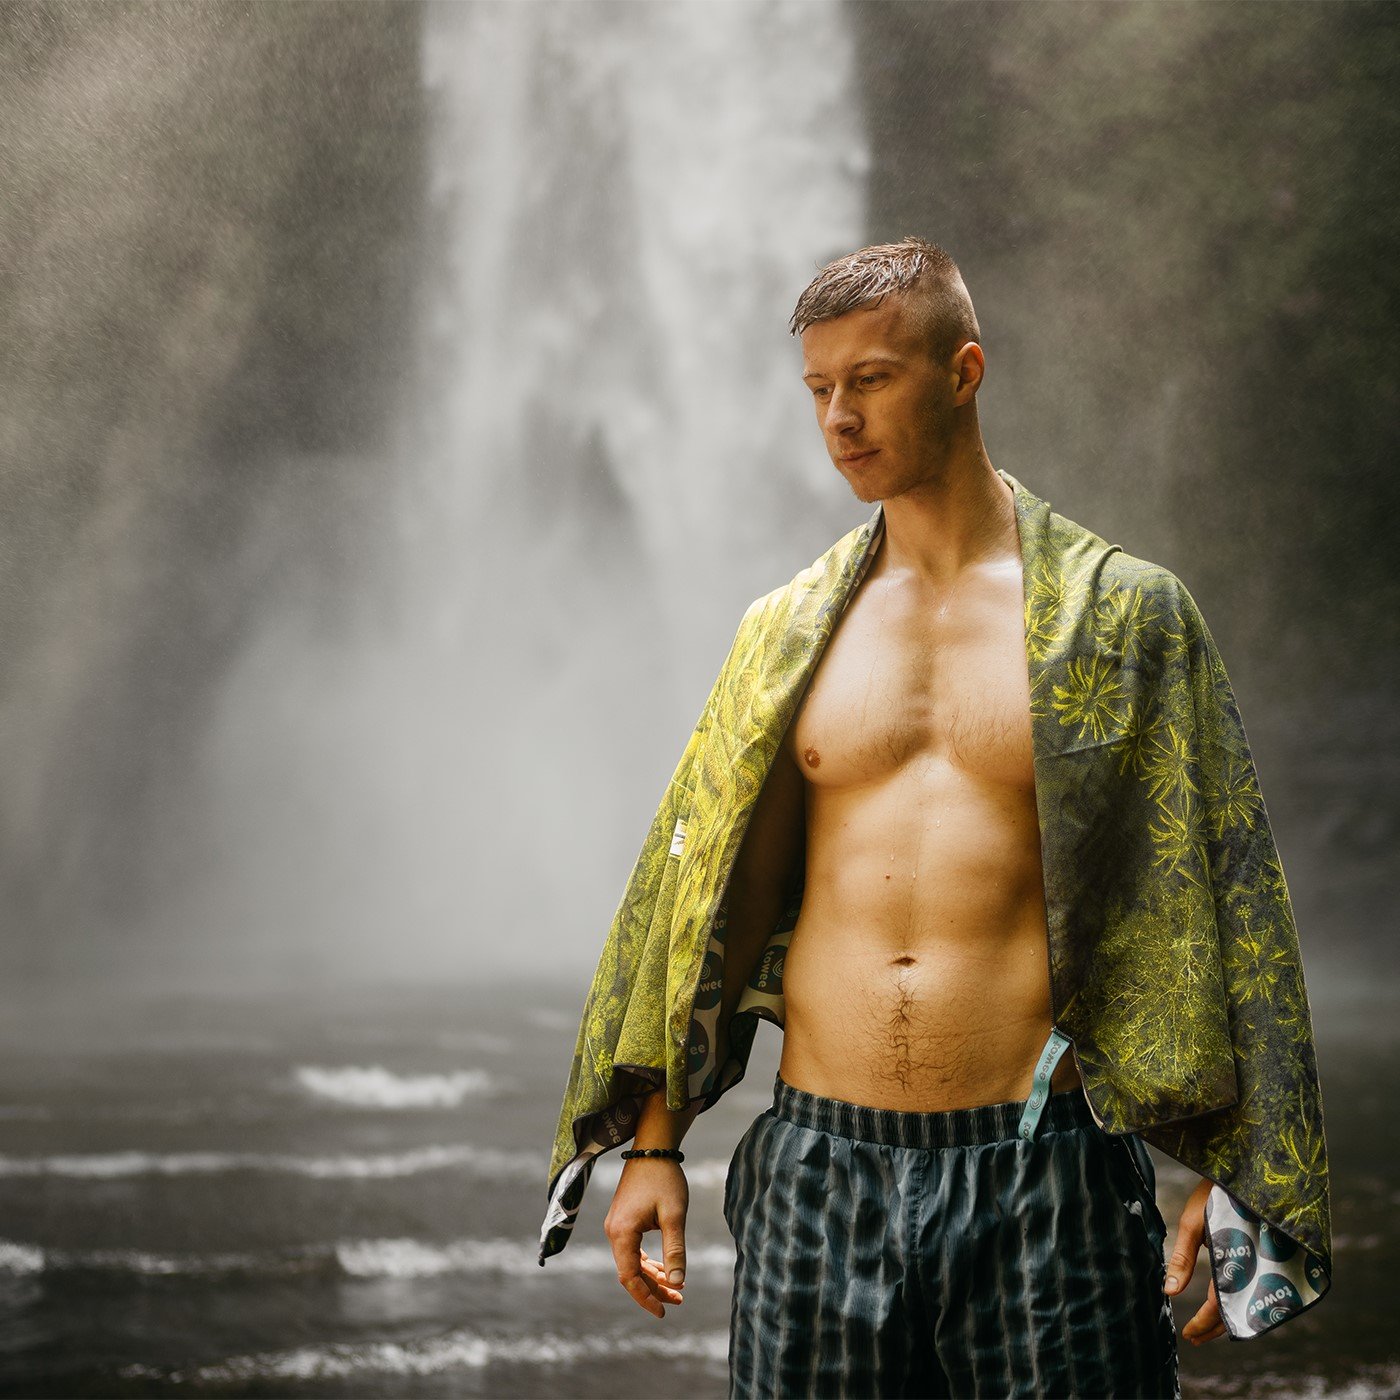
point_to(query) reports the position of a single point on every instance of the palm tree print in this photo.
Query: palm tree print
(1041, 633)
(1258, 962)
(1121, 622)
(1303, 1152)
(1166, 765)
(1038, 688)
(1092, 698)
(1179, 843)
(1232, 795)
(1047, 590)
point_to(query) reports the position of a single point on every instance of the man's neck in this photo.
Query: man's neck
(965, 517)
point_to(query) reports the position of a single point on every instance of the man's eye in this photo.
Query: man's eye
(817, 393)
(868, 378)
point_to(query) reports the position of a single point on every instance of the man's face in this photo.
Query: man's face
(877, 392)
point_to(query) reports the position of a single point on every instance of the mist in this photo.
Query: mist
(397, 414)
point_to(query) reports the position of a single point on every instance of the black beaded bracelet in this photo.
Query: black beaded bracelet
(673, 1154)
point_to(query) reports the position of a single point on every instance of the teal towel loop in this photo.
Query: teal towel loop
(1040, 1085)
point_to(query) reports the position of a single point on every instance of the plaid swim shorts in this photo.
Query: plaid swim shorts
(1013, 1249)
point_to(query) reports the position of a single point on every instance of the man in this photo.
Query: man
(969, 790)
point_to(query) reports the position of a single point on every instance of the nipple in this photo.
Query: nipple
(812, 756)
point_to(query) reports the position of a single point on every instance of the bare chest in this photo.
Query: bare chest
(910, 676)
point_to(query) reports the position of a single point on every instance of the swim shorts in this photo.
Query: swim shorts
(1013, 1249)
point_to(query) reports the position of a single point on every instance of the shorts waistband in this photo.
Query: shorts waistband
(953, 1127)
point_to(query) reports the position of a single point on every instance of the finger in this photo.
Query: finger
(673, 1247)
(1209, 1336)
(644, 1295)
(1206, 1320)
(1190, 1230)
(656, 1276)
(627, 1251)
(1202, 1322)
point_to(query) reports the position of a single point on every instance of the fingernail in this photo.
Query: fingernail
(1172, 1283)
(676, 1277)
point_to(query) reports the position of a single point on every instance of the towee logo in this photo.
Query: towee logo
(699, 1046)
(707, 994)
(1235, 1263)
(770, 971)
(1274, 1299)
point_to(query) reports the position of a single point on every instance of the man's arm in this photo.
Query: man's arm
(652, 1193)
(759, 886)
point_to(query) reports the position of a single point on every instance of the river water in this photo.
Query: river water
(340, 1194)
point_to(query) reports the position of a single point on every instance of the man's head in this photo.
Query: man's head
(892, 357)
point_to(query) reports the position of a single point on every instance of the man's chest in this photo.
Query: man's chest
(913, 676)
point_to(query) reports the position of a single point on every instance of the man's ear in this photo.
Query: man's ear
(968, 366)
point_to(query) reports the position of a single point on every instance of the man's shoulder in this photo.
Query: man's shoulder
(821, 576)
(1156, 581)
(1108, 569)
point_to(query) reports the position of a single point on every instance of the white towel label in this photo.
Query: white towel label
(678, 836)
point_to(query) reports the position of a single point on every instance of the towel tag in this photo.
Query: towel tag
(678, 837)
(1040, 1083)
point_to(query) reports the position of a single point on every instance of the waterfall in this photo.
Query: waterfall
(626, 200)
(610, 443)
(405, 707)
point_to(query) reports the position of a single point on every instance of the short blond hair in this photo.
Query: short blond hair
(921, 270)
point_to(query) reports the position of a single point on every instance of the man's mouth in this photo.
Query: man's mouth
(859, 456)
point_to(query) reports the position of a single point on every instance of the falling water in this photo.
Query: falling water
(606, 454)
(612, 452)
(627, 201)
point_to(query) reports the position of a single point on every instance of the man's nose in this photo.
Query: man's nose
(840, 415)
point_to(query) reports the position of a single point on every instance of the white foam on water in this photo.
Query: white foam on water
(415, 1259)
(20, 1258)
(462, 1350)
(478, 1161)
(359, 1258)
(376, 1087)
(137, 1261)
(1379, 1382)
(1350, 1242)
(1374, 1383)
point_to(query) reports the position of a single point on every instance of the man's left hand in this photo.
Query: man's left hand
(1190, 1232)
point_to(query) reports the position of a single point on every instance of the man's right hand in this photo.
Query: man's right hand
(652, 1195)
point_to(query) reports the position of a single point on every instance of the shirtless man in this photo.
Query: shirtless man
(916, 981)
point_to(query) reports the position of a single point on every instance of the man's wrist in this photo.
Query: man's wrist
(659, 1126)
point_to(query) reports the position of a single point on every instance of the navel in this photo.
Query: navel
(904, 961)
